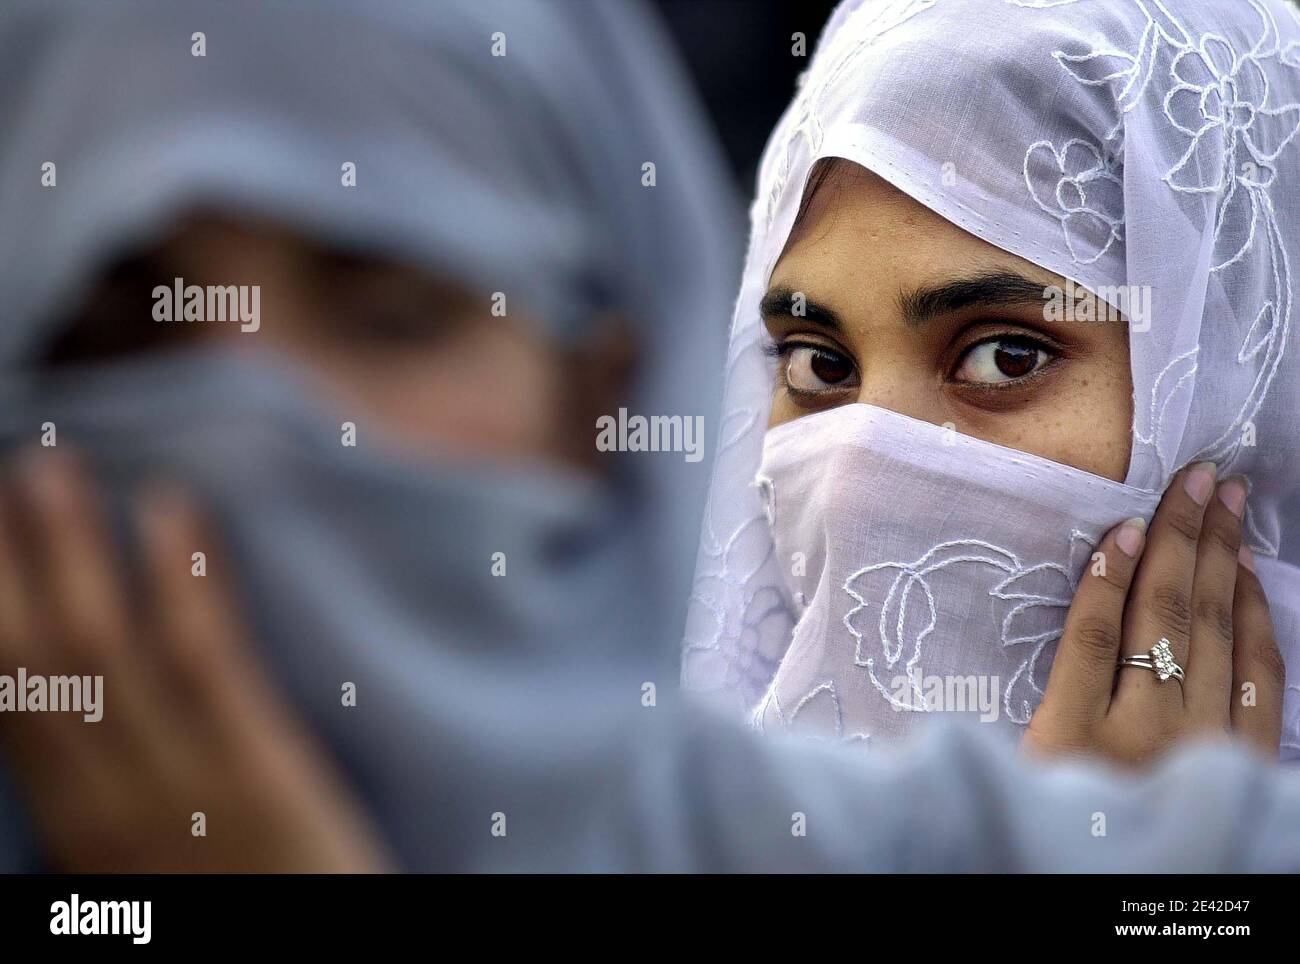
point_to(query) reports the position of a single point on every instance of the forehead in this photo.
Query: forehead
(856, 227)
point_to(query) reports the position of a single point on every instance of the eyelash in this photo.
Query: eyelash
(1048, 348)
(781, 349)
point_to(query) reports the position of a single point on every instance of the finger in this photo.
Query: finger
(1161, 603)
(1258, 672)
(50, 747)
(192, 605)
(17, 617)
(28, 637)
(233, 703)
(1207, 690)
(1083, 672)
(75, 566)
(83, 626)
(55, 755)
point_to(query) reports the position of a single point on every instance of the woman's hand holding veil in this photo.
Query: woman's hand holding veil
(197, 764)
(1181, 599)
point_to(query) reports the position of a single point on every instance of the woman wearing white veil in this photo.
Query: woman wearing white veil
(949, 171)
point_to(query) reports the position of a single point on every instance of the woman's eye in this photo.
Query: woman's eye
(810, 369)
(1001, 360)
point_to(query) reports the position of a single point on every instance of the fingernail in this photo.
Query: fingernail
(1233, 494)
(1199, 482)
(1130, 536)
(1245, 557)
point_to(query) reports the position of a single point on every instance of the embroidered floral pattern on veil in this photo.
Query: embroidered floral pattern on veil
(1086, 196)
(1021, 588)
(1218, 98)
(822, 697)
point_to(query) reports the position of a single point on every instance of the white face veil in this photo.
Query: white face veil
(858, 568)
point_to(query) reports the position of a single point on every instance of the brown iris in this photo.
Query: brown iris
(829, 367)
(1015, 359)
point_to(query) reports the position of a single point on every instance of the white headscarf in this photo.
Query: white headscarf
(1137, 142)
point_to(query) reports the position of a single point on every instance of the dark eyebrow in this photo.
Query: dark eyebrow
(994, 288)
(779, 303)
(990, 289)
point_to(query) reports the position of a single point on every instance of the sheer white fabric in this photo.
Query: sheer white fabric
(1137, 142)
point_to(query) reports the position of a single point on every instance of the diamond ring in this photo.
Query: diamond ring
(1160, 661)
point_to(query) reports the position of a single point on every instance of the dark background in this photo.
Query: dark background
(738, 52)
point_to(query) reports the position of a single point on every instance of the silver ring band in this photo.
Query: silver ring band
(1159, 661)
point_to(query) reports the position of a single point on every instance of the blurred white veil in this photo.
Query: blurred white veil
(501, 145)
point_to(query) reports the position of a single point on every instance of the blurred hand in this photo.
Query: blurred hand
(190, 723)
(1187, 581)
